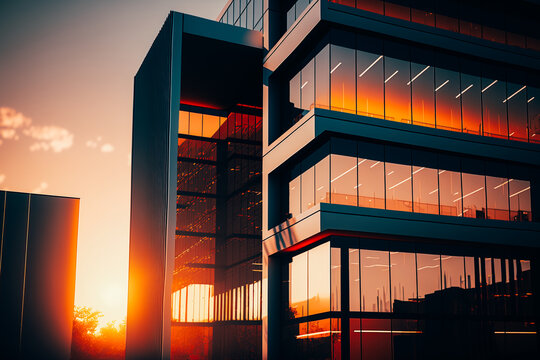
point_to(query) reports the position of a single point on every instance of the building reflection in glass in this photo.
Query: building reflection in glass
(428, 91)
(441, 184)
(216, 298)
(402, 302)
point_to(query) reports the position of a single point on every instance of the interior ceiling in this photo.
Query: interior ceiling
(219, 74)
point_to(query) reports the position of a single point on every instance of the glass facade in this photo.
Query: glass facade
(457, 16)
(428, 94)
(218, 264)
(406, 304)
(415, 181)
(248, 14)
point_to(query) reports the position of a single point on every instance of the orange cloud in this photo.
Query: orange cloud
(53, 138)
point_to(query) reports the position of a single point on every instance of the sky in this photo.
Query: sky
(66, 92)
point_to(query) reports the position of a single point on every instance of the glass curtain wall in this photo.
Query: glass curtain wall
(426, 91)
(448, 16)
(245, 13)
(394, 178)
(400, 300)
(218, 265)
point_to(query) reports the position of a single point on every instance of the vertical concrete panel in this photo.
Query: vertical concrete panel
(153, 198)
(50, 277)
(13, 272)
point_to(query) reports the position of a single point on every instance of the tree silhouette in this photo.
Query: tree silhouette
(87, 343)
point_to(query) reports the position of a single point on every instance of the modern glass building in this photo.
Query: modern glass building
(338, 180)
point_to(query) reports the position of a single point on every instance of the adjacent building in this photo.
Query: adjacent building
(338, 179)
(38, 254)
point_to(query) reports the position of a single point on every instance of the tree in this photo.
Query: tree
(88, 343)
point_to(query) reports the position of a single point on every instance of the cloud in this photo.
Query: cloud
(2, 178)
(10, 118)
(40, 188)
(107, 148)
(10, 122)
(53, 138)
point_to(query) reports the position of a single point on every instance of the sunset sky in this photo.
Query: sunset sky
(66, 90)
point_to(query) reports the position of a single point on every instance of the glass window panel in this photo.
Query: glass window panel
(322, 78)
(453, 271)
(257, 10)
(370, 183)
(447, 90)
(319, 279)
(425, 190)
(195, 124)
(308, 191)
(183, 122)
(447, 23)
(399, 11)
(497, 198)
(423, 95)
(355, 338)
(301, 5)
(474, 196)
(429, 274)
(354, 280)
(343, 180)
(470, 28)
(376, 339)
(403, 280)
(376, 6)
(319, 345)
(294, 197)
(298, 292)
(343, 95)
(370, 84)
(493, 34)
(291, 16)
(294, 93)
(520, 200)
(471, 104)
(308, 86)
(470, 276)
(336, 339)
(249, 14)
(517, 111)
(335, 295)
(210, 125)
(397, 92)
(450, 193)
(425, 17)
(494, 108)
(398, 187)
(533, 106)
(322, 181)
(374, 280)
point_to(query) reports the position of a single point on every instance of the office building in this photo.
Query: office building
(398, 182)
(38, 254)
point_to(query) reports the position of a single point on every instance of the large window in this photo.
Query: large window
(342, 82)
(448, 17)
(375, 281)
(315, 281)
(372, 84)
(432, 184)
